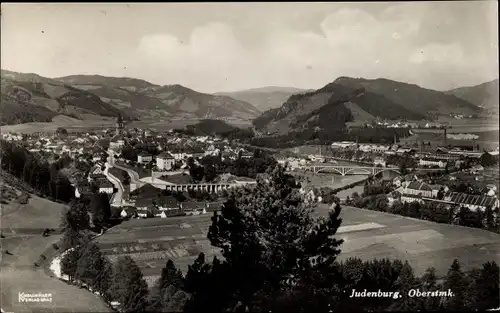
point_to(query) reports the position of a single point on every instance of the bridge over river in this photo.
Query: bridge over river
(357, 170)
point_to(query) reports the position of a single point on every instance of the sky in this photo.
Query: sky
(214, 47)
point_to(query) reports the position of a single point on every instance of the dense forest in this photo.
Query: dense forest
(42, 176)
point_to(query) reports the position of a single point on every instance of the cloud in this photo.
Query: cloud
(422, 43)
(351, 42)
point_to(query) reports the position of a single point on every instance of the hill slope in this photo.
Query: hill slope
(484, 95)
(264, 98)
(145, 100)
(33, 98)
(413, 97)
(329, 108)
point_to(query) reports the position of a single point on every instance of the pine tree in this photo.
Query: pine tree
(429, 283)
(405, 282)
(456, 283)
(129, 287)
(271, 242)
(488, 287)
(91, 268)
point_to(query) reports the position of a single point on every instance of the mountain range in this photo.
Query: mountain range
(265, 98)
(484, 95)
(359, 100)
(33, 98)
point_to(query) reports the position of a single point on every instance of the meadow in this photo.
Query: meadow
(424, 244)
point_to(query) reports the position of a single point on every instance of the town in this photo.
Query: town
(258, 157)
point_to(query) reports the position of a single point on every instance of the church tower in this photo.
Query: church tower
(119, 125)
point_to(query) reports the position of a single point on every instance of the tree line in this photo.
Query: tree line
(42, 176)
(277, 256)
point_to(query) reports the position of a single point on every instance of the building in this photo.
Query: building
(117, 142)
(432, 162)
(128, 212)
(472, 202)
(476, 169)
(165, 161)
(344, 145)
(193, 208)
(119, 126)
(144, 157)
(168, 203)
(379, 161)
(418, 188)
(97, 169)
(106, 187)
(437, 188)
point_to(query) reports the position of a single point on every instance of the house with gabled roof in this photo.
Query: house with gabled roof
(167, 203)
(193, 207)
(418, 188)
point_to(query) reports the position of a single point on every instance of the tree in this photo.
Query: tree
(405, 282)
(466, 217)
(455, 281)
(170, 282)
(100, 208)
(197, 274)
(440, 194)
(128, 286)
(92, 268)
(489, 219)
(61, 131)
(487, 159)
(488, 292)
(429, 283)
(210, 173)
(272, 246)
(76, 216)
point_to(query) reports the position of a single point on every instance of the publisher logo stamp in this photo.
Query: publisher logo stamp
(36, 297)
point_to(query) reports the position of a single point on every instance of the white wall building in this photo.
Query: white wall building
(165, 161)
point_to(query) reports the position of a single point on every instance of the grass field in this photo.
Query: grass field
(367, 235)
(94, 123)
(22, 226)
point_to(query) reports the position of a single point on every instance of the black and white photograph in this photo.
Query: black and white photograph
(249, 157)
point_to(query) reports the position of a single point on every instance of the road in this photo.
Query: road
(135, 182)
(117, 199)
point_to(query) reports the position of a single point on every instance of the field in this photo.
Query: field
(22, 226)
(367, 235)
(71, 124)
(94, 123)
